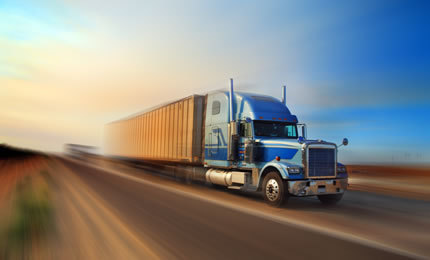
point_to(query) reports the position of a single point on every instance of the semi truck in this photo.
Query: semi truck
(244, 141)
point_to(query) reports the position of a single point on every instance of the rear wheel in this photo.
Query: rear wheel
(330, 199)
(274, 189)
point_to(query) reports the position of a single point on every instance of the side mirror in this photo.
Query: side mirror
(345, 141)
(304, 130)
(301, 139)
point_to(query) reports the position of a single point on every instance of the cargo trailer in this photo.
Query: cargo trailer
(171, 132)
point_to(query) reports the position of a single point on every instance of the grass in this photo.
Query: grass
(32, 215)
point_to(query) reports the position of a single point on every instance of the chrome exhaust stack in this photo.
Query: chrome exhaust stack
(233, 136)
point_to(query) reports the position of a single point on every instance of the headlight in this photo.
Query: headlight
(294, 170)
(341, 169)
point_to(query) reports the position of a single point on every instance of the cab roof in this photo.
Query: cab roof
(260, 107)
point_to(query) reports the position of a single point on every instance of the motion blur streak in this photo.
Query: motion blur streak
(186, 228)
(97, 208)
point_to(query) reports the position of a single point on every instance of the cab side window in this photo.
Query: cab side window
(216, 107)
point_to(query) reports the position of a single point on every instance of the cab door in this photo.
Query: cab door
(216, 130)
(214, 145)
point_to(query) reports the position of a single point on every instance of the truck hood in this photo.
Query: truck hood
(270, 148)
(279, 142)
(286, 149)
(289, 143)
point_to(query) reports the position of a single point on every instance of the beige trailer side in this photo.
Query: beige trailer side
(172, 132)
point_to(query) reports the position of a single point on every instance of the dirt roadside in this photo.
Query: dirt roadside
(403, 181)
(25, 207)
(46, 212)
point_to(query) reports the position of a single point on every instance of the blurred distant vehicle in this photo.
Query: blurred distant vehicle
(243, 141)
(80, 151)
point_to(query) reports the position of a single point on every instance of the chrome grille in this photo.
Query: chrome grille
(321, 162)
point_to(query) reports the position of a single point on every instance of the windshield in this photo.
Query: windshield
(275, 129)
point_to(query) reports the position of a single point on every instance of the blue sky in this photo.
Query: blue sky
(356, 69)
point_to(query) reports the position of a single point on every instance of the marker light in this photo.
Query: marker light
(341, 169)
(278, 158)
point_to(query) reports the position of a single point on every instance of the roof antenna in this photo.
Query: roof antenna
(284, 95)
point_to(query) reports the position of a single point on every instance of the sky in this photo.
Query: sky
(356, 69)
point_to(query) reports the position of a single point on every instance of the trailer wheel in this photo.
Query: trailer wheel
(330, 199)
(274, 189)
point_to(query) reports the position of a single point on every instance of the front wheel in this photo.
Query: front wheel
(330, 199)
(274, 190)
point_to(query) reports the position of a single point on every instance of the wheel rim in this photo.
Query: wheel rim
(272, 190)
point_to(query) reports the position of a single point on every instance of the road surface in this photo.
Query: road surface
(147, 216)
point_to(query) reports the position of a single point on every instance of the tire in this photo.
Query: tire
(330, 199)
(274, 189)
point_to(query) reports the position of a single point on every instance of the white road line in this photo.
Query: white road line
(254, 212)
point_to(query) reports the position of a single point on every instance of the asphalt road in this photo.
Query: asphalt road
(183, 227)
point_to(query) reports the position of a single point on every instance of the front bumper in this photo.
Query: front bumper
(317, 187)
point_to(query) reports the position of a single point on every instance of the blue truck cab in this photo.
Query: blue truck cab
(254, 143)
